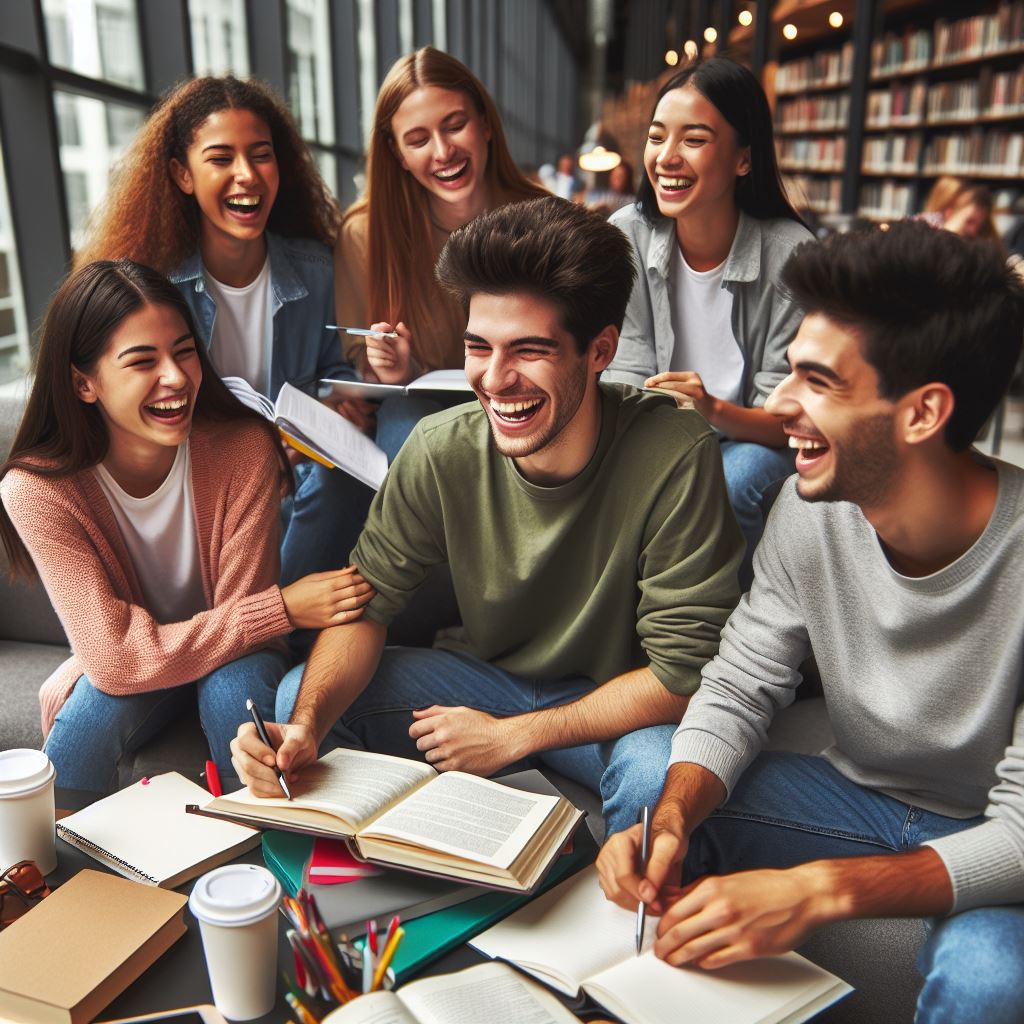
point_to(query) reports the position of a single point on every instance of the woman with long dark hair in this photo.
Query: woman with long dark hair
(146, 497)
(712, 228)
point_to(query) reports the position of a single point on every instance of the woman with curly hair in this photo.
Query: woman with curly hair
(437, 158)
(219, 192)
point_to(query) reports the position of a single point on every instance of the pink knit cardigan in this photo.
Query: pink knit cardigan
(68, 526)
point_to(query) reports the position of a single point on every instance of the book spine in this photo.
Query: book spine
(126, 869)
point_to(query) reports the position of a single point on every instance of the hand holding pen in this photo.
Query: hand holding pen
(645, 853)
(389, 353)
(257, 719)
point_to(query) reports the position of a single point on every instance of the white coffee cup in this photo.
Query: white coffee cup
(236, 906)
(27, 830)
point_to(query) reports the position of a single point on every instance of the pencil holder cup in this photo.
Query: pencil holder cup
(236, 906)
(27, 829)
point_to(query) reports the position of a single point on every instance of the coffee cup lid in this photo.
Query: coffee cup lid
(22, 771)
(235, 894)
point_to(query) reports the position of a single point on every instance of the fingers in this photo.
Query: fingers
(671, 376)
(616, 867)
(665, 856)
(254, 761)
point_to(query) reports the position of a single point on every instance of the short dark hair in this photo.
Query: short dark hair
(550, 248)
(930, 306)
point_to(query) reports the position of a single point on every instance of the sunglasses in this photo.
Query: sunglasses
(21, 887)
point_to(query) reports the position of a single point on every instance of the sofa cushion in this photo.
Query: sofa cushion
(23, 668)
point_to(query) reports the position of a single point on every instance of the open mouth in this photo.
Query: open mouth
(516, 413)
(447, 175)
(169, 410)
(809, 450)
(674, 186)
(245, 205)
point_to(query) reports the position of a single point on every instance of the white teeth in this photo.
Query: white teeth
(170, 404)
(244, 200)
(674, 182)
(509, 408)
(804, 443)
(451, 172)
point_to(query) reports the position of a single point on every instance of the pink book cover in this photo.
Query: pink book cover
(332, 863)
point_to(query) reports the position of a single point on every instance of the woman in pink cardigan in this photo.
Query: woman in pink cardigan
(147, 499)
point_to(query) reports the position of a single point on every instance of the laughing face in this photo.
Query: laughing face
(441, 139)
(692, 156)
(538, 391)
(145, 385)
(231, 170)
(844, 432)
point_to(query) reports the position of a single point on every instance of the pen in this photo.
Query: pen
(371, 936)
(362, 332)
(395, 922)
(385, 958)
(645, 849)
(262, 730)
(367, 965)
(213, 779)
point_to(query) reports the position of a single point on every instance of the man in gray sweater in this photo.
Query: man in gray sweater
(896, 557)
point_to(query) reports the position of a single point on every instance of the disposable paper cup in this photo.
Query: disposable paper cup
(236, 908)
(26, 809)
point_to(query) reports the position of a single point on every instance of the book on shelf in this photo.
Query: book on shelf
(78, 949)
(315, 430)
(403, 813)
(487, 992)
(440, 381)
(143, 832)
(575, 941)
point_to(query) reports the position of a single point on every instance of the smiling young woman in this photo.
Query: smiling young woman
(437, 158)
(219, 192)
(146, 497)
(712, 228)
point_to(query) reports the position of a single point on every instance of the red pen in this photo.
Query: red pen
(395, 922)
(371, 936)
(213, 779)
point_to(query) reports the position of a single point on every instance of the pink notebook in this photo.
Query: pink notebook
(332, 863)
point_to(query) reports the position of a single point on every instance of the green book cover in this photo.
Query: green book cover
(286, 854)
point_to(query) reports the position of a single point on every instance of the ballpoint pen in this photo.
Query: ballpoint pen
(257, 719)
(645, 849)
(362, 332)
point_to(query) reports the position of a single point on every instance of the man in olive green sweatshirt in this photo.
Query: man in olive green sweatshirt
(586, 526)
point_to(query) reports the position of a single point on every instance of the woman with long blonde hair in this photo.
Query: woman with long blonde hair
(437, 159)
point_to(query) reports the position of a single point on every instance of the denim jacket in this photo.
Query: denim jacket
(764, 320)
(302, 285)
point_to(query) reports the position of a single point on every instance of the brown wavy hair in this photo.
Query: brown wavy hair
(401, 283)
(148, 219)
(59, 434)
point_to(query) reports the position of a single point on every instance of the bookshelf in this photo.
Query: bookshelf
(943, 94)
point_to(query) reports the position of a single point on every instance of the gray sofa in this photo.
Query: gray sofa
(876, 956)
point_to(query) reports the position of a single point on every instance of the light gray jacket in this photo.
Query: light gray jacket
(764, 320)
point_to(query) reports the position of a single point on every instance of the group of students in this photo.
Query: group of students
(584, 519)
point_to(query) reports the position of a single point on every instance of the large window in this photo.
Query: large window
(14, 351)
(218, 34)
(96, 38)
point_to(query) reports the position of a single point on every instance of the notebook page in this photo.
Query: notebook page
(146, 828)
(351, 783)
(372, 1008)
(468, 817)
(571, 929)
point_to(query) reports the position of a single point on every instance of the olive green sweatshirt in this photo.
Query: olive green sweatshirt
(631, 563)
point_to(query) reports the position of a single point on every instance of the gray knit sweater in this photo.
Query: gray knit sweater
(923, 678)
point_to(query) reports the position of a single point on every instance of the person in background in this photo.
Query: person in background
(437, 158)
(146, 497)
(961, 207)
(219, 192)
(619, 192)
(712, 228)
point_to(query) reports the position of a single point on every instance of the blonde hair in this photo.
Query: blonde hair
(148, 219)
(401, 283)
(949, 194)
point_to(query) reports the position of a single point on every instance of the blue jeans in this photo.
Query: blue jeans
(93, 731)
(397, 416)
(627, 772)
(751, 471)
(788, 809)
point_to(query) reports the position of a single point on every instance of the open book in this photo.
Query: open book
(402, 813)
(449, 381)
(573, 939)
(315, 430)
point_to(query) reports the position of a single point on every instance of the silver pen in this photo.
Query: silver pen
(645, 850)
(363, 332)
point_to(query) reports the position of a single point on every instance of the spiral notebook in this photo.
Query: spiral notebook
(143, 832)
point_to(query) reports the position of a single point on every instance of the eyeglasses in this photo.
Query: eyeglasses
(21, 887)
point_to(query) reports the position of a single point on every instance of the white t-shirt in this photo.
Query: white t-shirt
(160, 534)
(243, 328)
(702, 323)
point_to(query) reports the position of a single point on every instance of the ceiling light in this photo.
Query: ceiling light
(671, 58)
(710, 34)
(835, 19)
(746, 18)
(789, 31)
(690, 48)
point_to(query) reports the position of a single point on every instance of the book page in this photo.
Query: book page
(469, 817)
(372, 1008)
(370, 391)
(566, 935)
(442, 380)
(342, 442)
(489, 992)
(249, 396)
(352, 785)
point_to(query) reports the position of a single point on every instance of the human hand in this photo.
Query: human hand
(255, 762)
(462, 739)
(617, 863)
(390, 358)
(687, 388)
(324, 599)
(723, 919)
(358, 411)
(293, 455)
